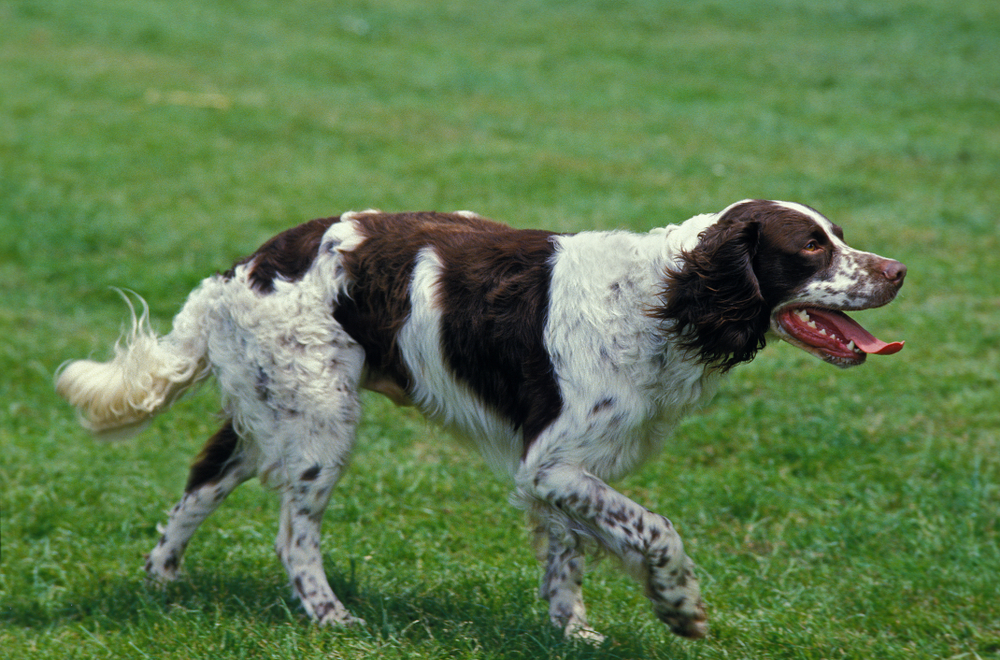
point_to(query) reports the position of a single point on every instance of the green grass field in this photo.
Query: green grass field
(833, 514)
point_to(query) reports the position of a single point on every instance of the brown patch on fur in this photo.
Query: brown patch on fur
(287, 256)
(379, 302)
(215, 458)
(494, 294)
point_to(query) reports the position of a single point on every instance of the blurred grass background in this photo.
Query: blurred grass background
(149, 143)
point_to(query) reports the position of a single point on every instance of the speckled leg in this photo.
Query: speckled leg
(646, 542)
(298, 544)
(562, 584)
(219, 469)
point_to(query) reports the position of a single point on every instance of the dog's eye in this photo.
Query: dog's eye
(812, 246)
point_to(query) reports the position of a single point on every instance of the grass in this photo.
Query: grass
(147, 143)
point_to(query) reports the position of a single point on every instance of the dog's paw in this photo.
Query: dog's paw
(340, 618)
(160, 572)
(684, 620)
(584, 633)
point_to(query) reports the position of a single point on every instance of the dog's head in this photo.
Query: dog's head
(777, 267)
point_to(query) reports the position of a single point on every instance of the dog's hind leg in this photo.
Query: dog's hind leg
(298, 543)
(313, 449)
(218, 470)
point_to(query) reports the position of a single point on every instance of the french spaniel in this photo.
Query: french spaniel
(566, 359)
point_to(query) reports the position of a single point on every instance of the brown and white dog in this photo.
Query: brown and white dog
(566, 359)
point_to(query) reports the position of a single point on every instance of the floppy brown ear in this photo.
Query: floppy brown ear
(713, 297)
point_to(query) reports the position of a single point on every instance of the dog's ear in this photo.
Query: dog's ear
(712, 296)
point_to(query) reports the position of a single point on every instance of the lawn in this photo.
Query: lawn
(833, 514)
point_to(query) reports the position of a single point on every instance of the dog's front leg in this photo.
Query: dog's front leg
(647, 543)
(562, 581)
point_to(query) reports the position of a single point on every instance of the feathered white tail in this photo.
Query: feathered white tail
(146, 375)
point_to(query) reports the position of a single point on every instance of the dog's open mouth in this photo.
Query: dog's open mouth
(831, 335)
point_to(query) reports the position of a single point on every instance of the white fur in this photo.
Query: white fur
(312, 368)
(604, 347)
(436, 392)
(146, 375)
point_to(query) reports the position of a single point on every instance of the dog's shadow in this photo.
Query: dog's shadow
(457, 614)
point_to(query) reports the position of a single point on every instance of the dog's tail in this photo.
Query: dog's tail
(146, 375)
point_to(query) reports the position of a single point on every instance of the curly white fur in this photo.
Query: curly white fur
(145, 376)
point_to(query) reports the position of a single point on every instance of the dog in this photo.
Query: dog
(566, 359)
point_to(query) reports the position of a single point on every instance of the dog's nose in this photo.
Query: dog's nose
(894, 271)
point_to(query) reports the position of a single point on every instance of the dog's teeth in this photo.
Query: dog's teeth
(853, 347)
(804, 316)
(821, 330)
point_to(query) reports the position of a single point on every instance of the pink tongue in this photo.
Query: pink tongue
(850, 330)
